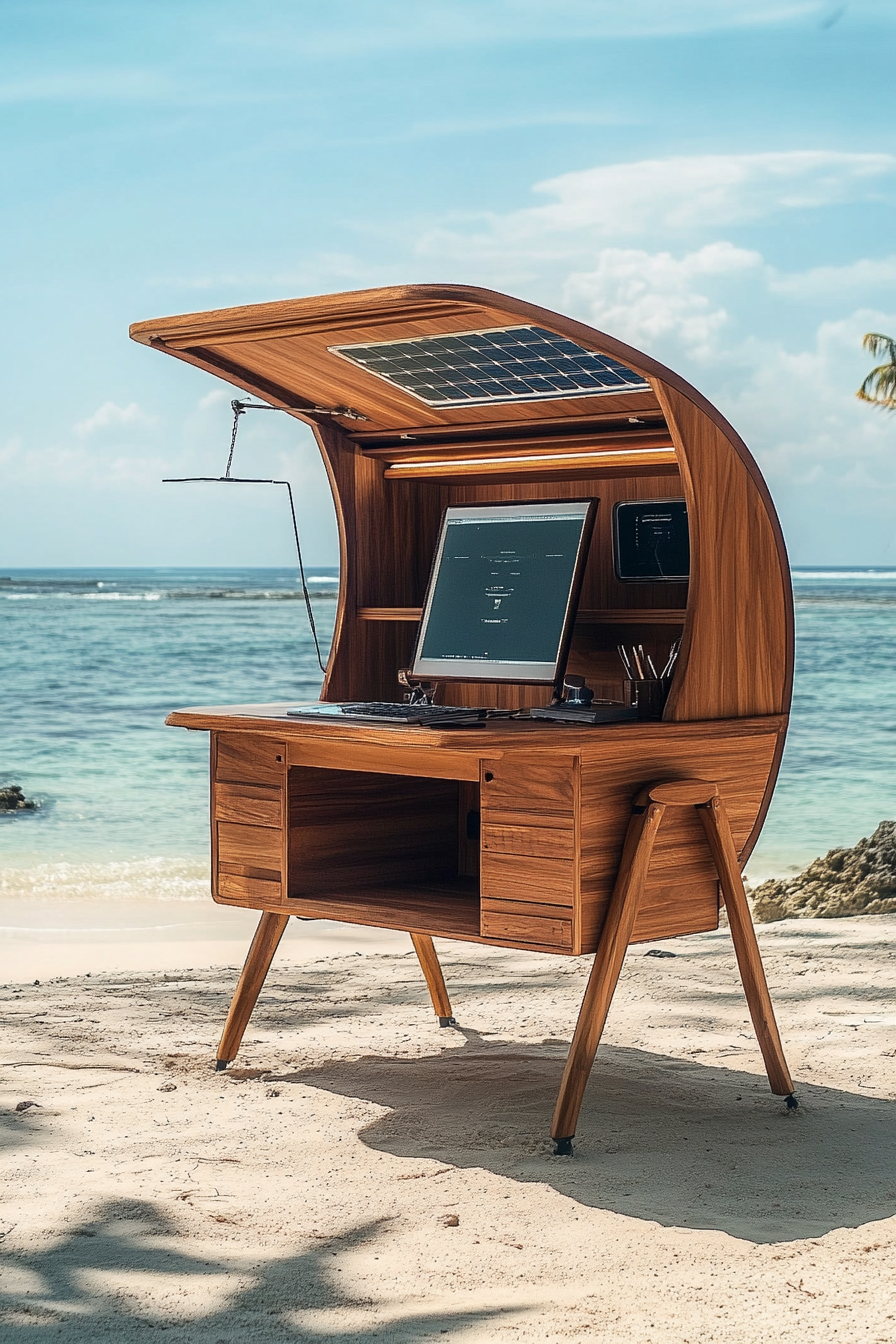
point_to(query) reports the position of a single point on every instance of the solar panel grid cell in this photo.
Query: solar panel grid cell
(509, 364)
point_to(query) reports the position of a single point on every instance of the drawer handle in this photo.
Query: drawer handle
(488, 776)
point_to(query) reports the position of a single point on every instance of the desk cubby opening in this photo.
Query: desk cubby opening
(402, 848)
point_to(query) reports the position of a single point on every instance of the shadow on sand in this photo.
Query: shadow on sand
(663, 1139)
(122, 1277)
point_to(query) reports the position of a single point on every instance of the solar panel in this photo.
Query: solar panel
(470, 368)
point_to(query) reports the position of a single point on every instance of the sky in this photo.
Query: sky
(711, 181)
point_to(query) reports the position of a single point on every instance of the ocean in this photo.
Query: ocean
(93, 660)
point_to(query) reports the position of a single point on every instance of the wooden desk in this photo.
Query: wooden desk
(543, 837)
(510, 835)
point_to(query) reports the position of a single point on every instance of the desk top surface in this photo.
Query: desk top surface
(496, 735)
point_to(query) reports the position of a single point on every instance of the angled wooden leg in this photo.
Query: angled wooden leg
(429, 964)
(746, 949)
(614, 940)
(258, 963)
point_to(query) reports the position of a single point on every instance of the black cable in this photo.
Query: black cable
(239, 408)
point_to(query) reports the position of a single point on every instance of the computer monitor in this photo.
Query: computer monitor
(503, 591)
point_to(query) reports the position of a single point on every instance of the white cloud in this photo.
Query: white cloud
(658, 196)
(65, 465)
(645, 297)
(111, 416)
(836, 282)
(799, 408)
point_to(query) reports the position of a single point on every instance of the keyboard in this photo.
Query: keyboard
(378, 711)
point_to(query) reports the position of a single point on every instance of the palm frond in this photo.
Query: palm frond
(877, 344)
(879, 387)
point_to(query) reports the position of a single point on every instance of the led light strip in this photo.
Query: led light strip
(435, 464)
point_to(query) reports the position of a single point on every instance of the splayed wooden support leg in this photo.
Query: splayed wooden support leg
(614, 940)
(746, 949)
(429, 964)
(258, 963)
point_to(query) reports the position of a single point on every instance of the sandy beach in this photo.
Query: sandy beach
(359, 1174)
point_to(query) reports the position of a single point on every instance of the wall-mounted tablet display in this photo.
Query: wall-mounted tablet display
(503, 591)
(650, 541)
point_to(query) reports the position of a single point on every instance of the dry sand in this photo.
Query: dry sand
(309, 1193)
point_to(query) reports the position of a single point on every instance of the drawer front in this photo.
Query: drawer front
(513, 877)
(232, 887)
(244, 759)
(536, 841)
(251, 804)
(249, 846)
(507, 926)
(541, 784)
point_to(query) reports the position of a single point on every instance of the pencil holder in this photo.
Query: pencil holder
(648, 695)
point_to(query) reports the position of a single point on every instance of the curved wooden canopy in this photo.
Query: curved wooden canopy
(394, 462)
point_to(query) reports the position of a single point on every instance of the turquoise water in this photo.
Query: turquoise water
(92, 661)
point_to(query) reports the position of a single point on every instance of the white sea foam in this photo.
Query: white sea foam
(160, 879)
(832, 575)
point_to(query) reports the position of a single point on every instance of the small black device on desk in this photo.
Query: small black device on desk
(579, 706)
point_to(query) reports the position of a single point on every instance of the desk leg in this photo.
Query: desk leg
(429, 964)
(746, 949)
(614, 940)
(258, 963)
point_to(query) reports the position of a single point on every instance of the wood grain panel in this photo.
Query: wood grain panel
(448, 909)
(245, 759)
(254, 805)
(527, 818)
(519, 877)
(736, 657)
(538, 783)
(249, 846)
(286, 344)
(251, 891)
(396, 758)
(505, 928)
(537, 841)
(682, 889)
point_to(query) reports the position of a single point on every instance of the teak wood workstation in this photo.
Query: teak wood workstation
(548, 837)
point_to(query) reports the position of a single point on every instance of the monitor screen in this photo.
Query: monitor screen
(503, 591)
(651, 542)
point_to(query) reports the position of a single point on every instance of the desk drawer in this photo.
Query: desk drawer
(501, 922)
(250, 846)
(250, 804)
(541, 842)
(241, 758)
(546, 785)
(232, 887)
(516, 877)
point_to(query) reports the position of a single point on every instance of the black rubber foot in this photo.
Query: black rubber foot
(791, 1103)
(221, 1064)
(563, 1147)
(447, 1022)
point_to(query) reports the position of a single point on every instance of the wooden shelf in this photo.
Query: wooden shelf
(632, 616)
(389, 613)
(448, 909)
(607, 616)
